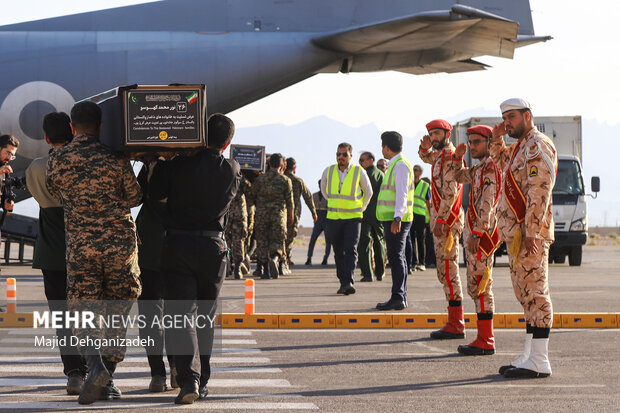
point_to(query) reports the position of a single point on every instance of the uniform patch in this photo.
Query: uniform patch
(486, 181)
(533, 171)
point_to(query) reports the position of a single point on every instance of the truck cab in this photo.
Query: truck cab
(569, 212)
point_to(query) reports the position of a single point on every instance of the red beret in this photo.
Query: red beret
(483, 130)
(438, 124)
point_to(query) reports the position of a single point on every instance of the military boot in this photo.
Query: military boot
(110, 391)
(237, 271)
(266, 273)
(98, 377)
(524, 355)
(484, 344)
(274, 266)
(258, 272)
(537, 365)
(455, 327)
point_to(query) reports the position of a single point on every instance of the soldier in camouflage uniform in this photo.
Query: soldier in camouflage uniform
(481, 237)
(525, 223)
(446, 222)
(299, 189)
(272, 193)
(237, 228)
(97, 189)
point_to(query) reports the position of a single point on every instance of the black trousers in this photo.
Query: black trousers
(417, 239)
(55, 285)
(151, 305)
(195, 268)
(344, 235)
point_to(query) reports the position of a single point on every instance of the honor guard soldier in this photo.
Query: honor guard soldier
(347, 189)
(272, 193)
(237, 229)
(481, 236)
(446, 222)
(98, 188)
(395, 211)
(525, 223)
(299, 189)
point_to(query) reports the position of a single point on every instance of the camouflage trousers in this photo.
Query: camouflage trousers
(448, 267)
(291, 234)
(270, 233)
(529, 280)
(236, 236)
(475, 269)
(103, 277)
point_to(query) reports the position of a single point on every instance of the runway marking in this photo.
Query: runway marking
(19, 368)
(164, 395)
(537, 385)
(433, 349)
(142, 359)
(200, 405)
(143, 382)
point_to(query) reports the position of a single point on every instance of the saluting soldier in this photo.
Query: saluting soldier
(299, 189)
(525, 223)
(272, 193)
(446, 222)
(481, 236)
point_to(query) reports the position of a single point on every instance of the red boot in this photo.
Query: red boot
(455, 328)
(484, 344)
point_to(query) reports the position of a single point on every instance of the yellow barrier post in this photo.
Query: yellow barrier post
(249, 296)
(11, 295)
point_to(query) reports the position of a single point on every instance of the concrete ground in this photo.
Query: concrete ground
(360, 370)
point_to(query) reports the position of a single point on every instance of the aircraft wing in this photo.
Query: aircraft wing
(429, 42)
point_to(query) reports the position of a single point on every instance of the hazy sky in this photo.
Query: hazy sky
(574, 74)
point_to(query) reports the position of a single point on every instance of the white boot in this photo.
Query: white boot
(523, 357)
(537, 365)
(526, 351)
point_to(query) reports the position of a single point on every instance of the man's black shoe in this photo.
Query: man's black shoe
(348, 289)
(188, 394)
(158, 384)
(308, 262)
(379, 277)
(324, 261)
(340, 290)
(366, 279)
(203, 391)
(74, 382)
(392, 304)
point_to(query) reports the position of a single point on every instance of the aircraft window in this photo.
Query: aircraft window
(569, 179)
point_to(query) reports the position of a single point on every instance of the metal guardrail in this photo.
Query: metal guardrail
(21, 230)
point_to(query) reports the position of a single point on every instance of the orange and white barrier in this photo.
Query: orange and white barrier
(11, 295)
(249, 296)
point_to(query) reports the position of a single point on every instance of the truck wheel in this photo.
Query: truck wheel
(574, 259)
(559, 259)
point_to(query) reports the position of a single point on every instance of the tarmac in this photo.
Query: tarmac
(352, 370)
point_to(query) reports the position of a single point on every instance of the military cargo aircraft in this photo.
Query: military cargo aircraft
(243, 50)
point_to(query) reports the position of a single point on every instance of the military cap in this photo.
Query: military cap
(514, 104)
(483, 130)
(438, 124)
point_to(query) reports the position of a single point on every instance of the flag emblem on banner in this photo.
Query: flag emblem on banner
(192, 98)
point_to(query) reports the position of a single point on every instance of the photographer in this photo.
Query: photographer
(8, 149)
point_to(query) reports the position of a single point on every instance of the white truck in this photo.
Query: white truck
(569, 194)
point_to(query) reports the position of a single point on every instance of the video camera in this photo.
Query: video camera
(11, 183)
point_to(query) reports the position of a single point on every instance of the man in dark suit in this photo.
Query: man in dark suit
(371, 235)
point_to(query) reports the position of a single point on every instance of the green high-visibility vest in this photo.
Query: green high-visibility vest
(344, 202)
(419, 199)
(386, 202)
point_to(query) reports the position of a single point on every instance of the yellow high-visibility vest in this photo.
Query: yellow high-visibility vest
(419, 202)
(344, 202)
(386, 202)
